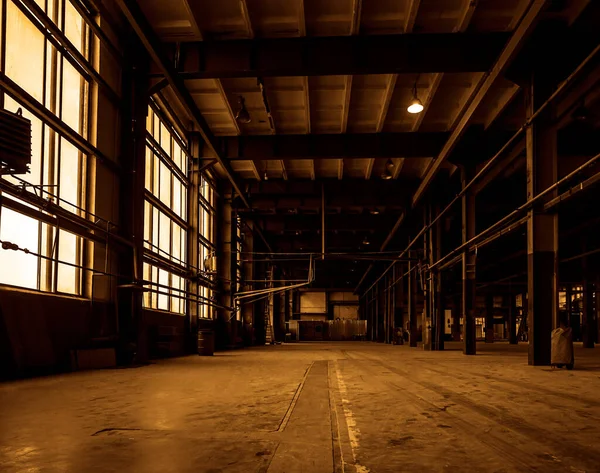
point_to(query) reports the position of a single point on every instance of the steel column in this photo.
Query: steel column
(468, 268)
(542, 229)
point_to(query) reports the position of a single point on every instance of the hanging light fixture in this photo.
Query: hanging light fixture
(242, 115)
(416, 106)
(389, 164)
(386, 174)
(266, 176)
(366, 241)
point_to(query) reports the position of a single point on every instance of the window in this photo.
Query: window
(206, 246)
(38, 68)
(165, 215)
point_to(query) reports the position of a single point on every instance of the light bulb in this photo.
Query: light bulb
(415, 106)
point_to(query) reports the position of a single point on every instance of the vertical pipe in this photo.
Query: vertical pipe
(323, 221)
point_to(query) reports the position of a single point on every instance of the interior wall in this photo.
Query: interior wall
(39, 330)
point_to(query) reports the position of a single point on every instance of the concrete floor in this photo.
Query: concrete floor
(310, 407)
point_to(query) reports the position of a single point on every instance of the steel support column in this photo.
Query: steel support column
(132, 332)
(489, 318)
(456, 314)
(468, 268)
(412, 304)
(428, 283)
(438, 318)
(512, 319)
(542, 229)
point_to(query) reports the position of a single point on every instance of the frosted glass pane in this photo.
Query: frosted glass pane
(71, 97)
(165, 234)
(46, 266)
(18, 268)
(67, 252)
(73, 26)
(165, 139)
(175, 301)
(163, 300)
(147, 277)
(149, 119)
(148, 170)
(147, 223)
(183, 202)
(183, 245)
(155, 175)
(176, 242)
(155, 222)
(165, 185)
(177, 197)
(154, 295)
(24, 52)
(176, 154)
(156, 133)
(69, 175)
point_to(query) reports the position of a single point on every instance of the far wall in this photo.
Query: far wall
(322, 305)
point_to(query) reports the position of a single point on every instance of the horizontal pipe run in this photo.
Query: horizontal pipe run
(560, 89)
(527, 205)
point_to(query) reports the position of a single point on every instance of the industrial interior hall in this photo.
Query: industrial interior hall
(299, 236)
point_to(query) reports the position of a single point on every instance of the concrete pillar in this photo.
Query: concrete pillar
(489, 318)
(542, 229)
(412, 303)
(512, 319)
(468, 268)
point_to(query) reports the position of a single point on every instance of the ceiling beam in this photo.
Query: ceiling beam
(346, 106)
(284, 173)
(387, 98)
(369, 168)
(356, 15)
(342, 55)
(436, 80)
(411, 15)
(333, 146)
(341, 169)
(383, 246)
(509, 52)
(507, 97)
(154, 46)
(301, 18)
(255, 171)
(466, 15)
(497, 169)
(246, 18)
(398, 165)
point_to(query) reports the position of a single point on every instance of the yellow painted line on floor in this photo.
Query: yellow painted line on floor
(353, 431)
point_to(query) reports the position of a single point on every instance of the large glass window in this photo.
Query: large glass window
(206, 246)
(165, 215)
(43, 75)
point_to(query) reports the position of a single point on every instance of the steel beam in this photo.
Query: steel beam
(154, 47)
(332, 146)
(468, 269)
(542, 229)
(508, 53)
(343, 55)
